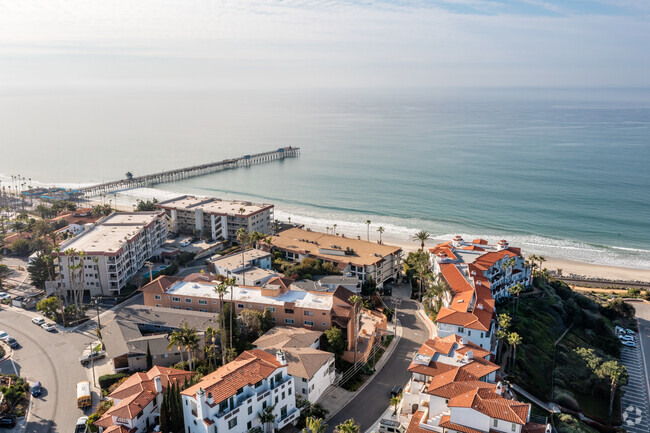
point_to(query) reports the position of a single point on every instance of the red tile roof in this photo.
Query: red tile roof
(480, 315)
(414, 425)
(247, 369)
(445, 422)
(488, 402)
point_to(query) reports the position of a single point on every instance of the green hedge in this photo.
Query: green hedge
(107, 380)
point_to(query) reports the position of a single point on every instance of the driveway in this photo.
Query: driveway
(369, 404)
(52, 359)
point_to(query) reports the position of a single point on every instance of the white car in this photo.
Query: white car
(629, 332)
(49, 327)
(185, 243)
(38, 321)
(629, 343)
(4, 296)
(3, 335)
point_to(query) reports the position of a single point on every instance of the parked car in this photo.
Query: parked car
(3, 335)
(4, 296)
(36, 389)
(38, 321)
(397, 390)
(11, 341)
(49, 327)
(89, 356)
(629, 343)
(7, 421)
(626, 337)
(629, 332)
(81, 425)
(185, 243)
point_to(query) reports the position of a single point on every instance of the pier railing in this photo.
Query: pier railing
(150, 180)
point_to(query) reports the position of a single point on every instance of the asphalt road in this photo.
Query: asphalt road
(52, 359)
(369, 404)
(643, 318)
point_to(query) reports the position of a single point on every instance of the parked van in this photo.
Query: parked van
(84, 399)
(390, 426)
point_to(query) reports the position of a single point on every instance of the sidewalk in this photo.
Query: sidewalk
(336, 398)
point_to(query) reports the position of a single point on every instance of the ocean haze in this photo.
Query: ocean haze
(562, 171)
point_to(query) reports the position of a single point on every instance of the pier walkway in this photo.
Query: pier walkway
(185, 173)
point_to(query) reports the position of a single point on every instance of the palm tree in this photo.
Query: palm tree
(347, 426)
(267, 418)
(211, 336)
(515, 290)
(368, 226)
(380, 230)
(221, 289)
(189, 339)
(255, 237)
(617, 375)
(394, 401)
(502, 332)
(334, 229)
(514, 339)
(355, 300)
(314, 425)
(176, 339)
(422, 236)
(436, 287)
(422, 268)
(243, 238)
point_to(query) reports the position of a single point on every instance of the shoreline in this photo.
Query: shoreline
(568, 267)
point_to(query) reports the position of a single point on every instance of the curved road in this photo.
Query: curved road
(52, 359)
(369, 404)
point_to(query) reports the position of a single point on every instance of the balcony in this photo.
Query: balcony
(289, 417)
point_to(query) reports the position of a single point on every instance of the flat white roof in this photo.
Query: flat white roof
(234, 261)
(111, 233)
(213, 205)
(302, 299)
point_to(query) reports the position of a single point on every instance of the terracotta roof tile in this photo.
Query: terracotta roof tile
(445, 422)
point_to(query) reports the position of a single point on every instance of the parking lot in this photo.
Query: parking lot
(634, 402)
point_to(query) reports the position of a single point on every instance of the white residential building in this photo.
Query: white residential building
(230, 399)
(114, 249)
(136, 402)
(216, 218)
(253, 269)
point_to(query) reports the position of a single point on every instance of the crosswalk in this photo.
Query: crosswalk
(634, 402)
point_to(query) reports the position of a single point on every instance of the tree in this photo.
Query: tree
(221, 289)
(40, 269)
(347, 426)
(21, 248)
(149, 358)
(514, 340)
(48, 306)
(422, 236)
(422, 268)
(189, 339)
(314, 425)
(381, 230)
(335, 341)
(13, 394)
(617, 375)
(176, 340)
(256, 237)
(394, 401)
(266, 321)
(267, 418)
(4, 273)
(436, 287)
(368, 227)
(211, 337)
(146, 206)
(502, 332)
(515, 290)
(355, 300)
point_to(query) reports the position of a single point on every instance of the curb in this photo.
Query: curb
(387, 354)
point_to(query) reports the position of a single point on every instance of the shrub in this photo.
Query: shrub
(90, 423)
(564, 398)
(107, 380)
(633, 292)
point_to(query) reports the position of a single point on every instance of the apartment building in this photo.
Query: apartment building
(136, 402)
(312, 369)
(477, 273)
(216, 218)
(353, 257)
(452, 389)
(114, 249)
(230, 399)
(253, 267)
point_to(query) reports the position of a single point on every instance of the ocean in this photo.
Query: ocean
(560, 172)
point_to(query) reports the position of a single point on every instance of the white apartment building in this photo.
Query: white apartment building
(230, 399)
(216, 218)
(452, 390)
(114, 249)
(136, 402)
(253, 269)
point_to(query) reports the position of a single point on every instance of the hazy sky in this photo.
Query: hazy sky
(320, 43)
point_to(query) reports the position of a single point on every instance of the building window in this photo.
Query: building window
(271, 309)
(240, 305)
(264, 405)
(203, 302)
(289, 321)
(289, 390)
(304, 390)
(232, 423)
(482, 334)
(250, 411)
(188, 300)
(513, 427)
(283, 412)
(495, 423)
(304, 380)
(176, 299)
(249, 425)
(324, 324)
(469, 333)
(203, 310)
(158, 305)
(309, 313)
(461, 329)
(258, 384)
(157, 297)
(276, 399)
(309, 323)
(288, 311)
(189, 308)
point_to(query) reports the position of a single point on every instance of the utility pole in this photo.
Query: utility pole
(92, 361)
(150, 265)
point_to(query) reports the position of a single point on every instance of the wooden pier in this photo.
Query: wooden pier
(150, 180)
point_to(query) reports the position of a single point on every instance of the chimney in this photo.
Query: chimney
(158, 384)
(470, 354)
(502, 245)
(210, 399)
(499, 389)
(279, 356)
(457, 241)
